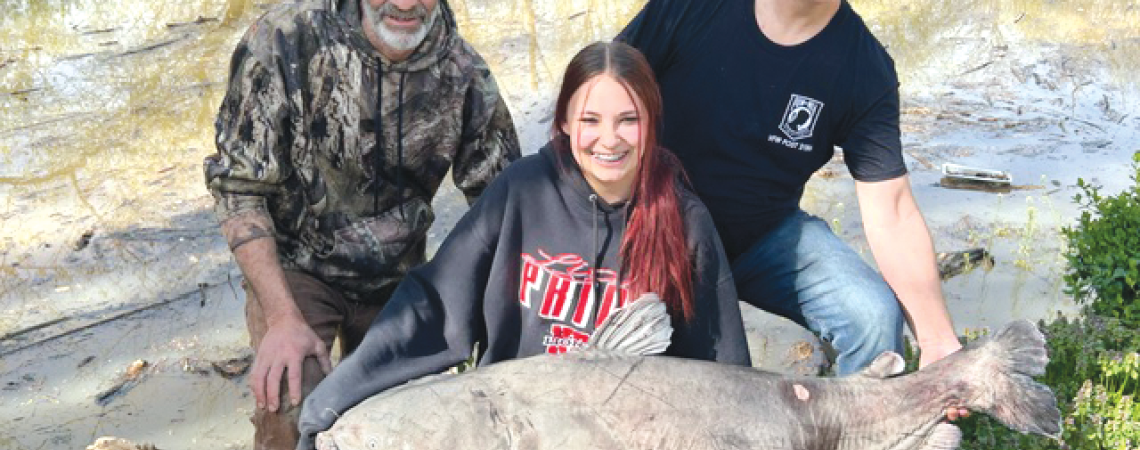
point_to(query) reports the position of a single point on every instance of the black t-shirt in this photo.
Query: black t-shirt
(752, 120)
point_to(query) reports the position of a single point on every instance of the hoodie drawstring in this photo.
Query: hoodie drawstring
(594, 251)
(594, 256)
(400, 145)
(621, 237)
(378, 146)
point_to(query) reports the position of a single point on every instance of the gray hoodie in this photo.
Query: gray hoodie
(532, 268)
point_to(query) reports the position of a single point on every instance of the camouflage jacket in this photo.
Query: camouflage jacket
(297, 132)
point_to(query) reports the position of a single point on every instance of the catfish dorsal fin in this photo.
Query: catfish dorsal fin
(642, 327)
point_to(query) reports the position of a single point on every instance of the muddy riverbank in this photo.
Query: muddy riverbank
(109, 253)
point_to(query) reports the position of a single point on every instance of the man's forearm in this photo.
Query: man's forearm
(904, 251)
(905, 255)
(250, 237)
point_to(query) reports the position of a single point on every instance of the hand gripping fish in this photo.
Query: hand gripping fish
(615, 395)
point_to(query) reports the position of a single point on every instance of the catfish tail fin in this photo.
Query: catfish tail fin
(1009, 361)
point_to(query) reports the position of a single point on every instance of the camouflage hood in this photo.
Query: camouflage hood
(344, 150)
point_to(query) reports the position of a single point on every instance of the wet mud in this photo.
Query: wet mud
(110, 258)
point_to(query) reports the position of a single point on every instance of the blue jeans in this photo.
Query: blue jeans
(804, 272)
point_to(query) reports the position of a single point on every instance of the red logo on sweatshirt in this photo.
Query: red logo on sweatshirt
(562, 338)
(562, 288)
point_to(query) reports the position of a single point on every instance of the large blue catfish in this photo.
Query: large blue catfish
(613, 396)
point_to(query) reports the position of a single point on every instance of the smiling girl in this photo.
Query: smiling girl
(557, 243)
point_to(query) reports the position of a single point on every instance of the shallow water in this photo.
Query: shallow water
(106, 111)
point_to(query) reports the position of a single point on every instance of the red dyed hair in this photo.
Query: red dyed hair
(653, 249)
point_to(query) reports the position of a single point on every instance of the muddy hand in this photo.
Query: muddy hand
(282, 353)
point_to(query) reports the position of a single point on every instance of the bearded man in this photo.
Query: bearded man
(340, 121)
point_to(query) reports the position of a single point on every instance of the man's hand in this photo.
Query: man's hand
(288, 340)
(282, 352)
(934, 351)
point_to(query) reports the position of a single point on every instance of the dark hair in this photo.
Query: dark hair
(653, 249)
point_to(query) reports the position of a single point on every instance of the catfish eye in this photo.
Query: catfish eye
(372, 444)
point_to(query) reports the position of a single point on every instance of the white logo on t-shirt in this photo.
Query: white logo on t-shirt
(800, 117)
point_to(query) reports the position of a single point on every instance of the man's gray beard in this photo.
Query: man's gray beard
(398, 40)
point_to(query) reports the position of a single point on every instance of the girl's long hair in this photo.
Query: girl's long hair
(654, 252)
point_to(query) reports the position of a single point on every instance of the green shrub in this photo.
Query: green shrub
(1104, 250)
(1094, 368)
(1094, 371)
(1103, 414)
